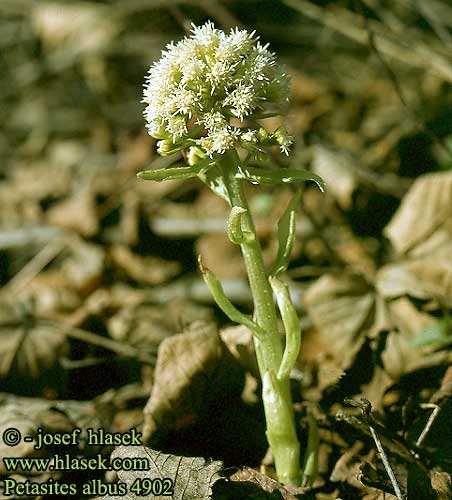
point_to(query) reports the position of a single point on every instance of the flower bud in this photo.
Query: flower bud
(195, 154)
(283, 138)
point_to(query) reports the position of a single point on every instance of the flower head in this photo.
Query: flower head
(207, 79)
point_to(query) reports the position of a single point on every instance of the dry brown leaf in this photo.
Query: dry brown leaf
(409, 321)
(351, 250)
(334, 169)
(266, 484)
(422, 230)
(193, 477)
(77, 212)
(29, 414)
(378, 495)
(347, 466)
(239, 341)
(429, 277)
(147, 270)
(49, 181)
(426, 206)
(342, 309)
(27, 347)
(375, 390)
(146, 325)
(84, 267)
(49, 293)
(400, 355)
(184, 378)
(442, 485)
(339, 305)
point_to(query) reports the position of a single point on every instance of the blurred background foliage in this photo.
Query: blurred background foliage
(97, 268)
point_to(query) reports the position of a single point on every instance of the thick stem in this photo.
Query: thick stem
(277, 399)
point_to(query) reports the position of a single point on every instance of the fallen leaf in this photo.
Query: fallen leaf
(77, 213)
(400, 355)
(147, 270)
(426, 206)
(30, 414)
(26, 346)
(421, 233)
(376, 389)
(146, 325)
(423, 278)
(84, 267)
(188, 376)
(49, 293)
(192, 477)
(442, 485)
(334, 168)
(239, 341)
(266, 484)
(347, 466)
(343, 311)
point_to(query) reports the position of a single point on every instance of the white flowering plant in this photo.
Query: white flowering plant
(204, 98)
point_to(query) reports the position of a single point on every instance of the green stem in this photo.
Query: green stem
(277, 398)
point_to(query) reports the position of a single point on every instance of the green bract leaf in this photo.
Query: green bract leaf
(213, 177)
(168, 174)
(226, 305)
(311, 458)
(291, 326)
(235, 232)
(286, 235)
(283, 176)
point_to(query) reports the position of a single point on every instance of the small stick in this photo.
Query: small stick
(437, 401)
(428, 426)
(112, 345)
(366, 409)
(35, 266)
(386, 464)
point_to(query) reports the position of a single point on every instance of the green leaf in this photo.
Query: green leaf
(286, 235)
(167, 174)
(282, 176)
(437, 334)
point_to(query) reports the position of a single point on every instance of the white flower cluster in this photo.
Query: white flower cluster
(207, 79)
